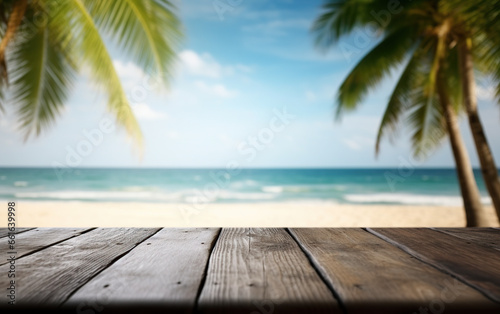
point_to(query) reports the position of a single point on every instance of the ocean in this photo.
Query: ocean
(344, 186)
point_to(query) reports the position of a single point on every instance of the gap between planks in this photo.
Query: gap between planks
(163, 272)
(4, 232)
(487, 237)
(205, 272)
(372, 275)
(40, 242)
(320, 274)
(109, 265)
(431, 261)
(258, 268)
(49, 281)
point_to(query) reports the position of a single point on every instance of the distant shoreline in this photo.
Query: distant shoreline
(243, 168)
(134, 214)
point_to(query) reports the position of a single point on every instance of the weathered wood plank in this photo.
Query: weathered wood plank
(5, 231)
(163, 272)
(262, 271)
(50, 276)
(37, 239)
(487, 237)
(371, 275)
(477, 265)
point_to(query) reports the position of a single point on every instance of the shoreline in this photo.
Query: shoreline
(133, 214)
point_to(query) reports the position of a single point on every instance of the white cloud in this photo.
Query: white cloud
(485, 93)
(206, 66)
(358, 142)
(351, 144)
(128, 70)
(202, 65)
(216, 89)
(129, 73)
(144, 112)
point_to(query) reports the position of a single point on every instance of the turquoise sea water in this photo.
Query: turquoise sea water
(354, 186)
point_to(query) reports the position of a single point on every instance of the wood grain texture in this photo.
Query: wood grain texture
(488, 237)
(50, 276)
(262, 271)
(39, 238)
(4, 231)
(163, 272)
(371, 275)
(477, 265)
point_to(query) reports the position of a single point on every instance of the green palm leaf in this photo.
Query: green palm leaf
(426, 118)
(41, 75)
(146, 31)
(341, 17)
(427, 122)
(482, 19)
(85, 36)
(377, 64)
(399, 101)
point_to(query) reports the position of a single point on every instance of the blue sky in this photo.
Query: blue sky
(239, 65)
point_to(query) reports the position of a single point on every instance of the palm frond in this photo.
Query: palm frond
(399, 100)
(147, 31)
(341, 17)
(374, 66)
(86, 38)
(427, 118)
(428, 124)
(482, 20)
(486, 54)
(41, 75)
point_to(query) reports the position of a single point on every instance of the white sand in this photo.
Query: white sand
(80, 214)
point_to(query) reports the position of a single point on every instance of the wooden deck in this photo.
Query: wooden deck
(265, 271)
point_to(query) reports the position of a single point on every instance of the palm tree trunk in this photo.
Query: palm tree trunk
(13, 23)
(474, 212)
(488, 167)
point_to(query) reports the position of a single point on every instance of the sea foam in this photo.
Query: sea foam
(410, 199)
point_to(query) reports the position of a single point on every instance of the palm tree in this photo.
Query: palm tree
(478, 31)
(418, 36)
(44, 44)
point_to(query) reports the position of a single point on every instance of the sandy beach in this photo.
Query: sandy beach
(105, 214)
